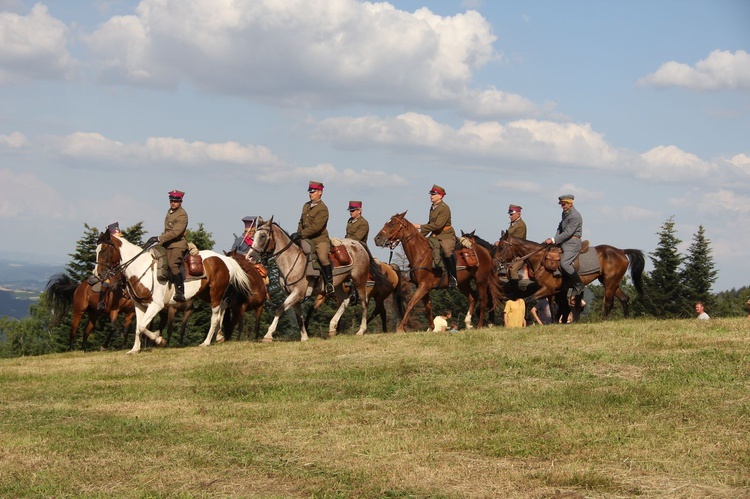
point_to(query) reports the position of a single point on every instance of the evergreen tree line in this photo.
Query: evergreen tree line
(671, 290)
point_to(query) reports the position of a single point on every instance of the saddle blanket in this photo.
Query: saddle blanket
(588, 263)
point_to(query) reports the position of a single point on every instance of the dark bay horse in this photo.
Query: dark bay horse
(270, 239)
(240, 303)
(64, 292)
(387, 284)
(419, 253)
(613, 264)
(152, 295)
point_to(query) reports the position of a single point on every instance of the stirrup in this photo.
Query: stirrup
(452, 282)
(329, 289)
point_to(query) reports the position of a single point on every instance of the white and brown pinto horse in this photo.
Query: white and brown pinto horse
(151, 296)
(270, 239)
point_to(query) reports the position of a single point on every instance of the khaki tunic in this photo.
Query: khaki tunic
(313, 225)
(440, 227)
(517, 229)
(173, 238)
(358, 229)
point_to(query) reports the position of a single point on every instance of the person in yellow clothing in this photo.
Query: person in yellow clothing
(515, 313)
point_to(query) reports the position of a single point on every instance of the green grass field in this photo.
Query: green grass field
(619, 409)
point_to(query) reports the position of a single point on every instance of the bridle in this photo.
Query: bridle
(269, 246)
(392, 240)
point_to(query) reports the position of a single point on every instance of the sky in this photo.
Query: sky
(639, 109)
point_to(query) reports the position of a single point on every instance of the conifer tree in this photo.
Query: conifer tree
(83, 261)
(699, 273)
(665, 294)
(200, 237)
(134, 233)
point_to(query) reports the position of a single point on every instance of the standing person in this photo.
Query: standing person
(313, 225)
(515, 313)
(542, 312)
(243, 243)
(441, 322)
(568, 237)
(439, 226)
(700, 309)
(174, 241)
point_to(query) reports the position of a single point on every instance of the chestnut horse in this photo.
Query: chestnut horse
(270, 239)
(152, 295)
(388, 283)
(240, 303)
(64, 292)
(419, 253)
(613, 264)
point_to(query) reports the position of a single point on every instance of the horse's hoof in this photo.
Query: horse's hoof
(220, 339)
(267, 340)
(130, 352)
(161, 342)
(331, 334)
(360, 333)
(203, 345)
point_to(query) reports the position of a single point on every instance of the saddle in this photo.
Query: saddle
(191, 266)
(586, 263)
(339, 256)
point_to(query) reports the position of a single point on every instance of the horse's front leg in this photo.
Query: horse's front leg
(283, 307)
(142, 319)
(467, 291)
(362, 290)
(418, 294)
(302, 329)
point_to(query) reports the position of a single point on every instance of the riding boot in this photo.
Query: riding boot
(328, 277)
(353, 295)
(450, 266)
(179, 288)
(577, 283)
(101, 306)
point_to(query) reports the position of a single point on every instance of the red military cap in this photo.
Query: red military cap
(314, 186)
(437, 189)
(514, 208)
(176, 195)
(355, 205)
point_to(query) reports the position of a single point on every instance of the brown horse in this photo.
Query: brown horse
(64, 293)
(240, 303)
(389, 283)
(613, 264)
(419, 253)
(151, 295)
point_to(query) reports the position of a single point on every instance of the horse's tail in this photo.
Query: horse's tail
(497, 295)
(60, 290)
(637, 266)
(398, 293)
(375, 271)
(237, 276)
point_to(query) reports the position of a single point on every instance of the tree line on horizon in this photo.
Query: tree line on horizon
(672, 288)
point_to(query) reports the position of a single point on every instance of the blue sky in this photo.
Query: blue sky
(640, 109)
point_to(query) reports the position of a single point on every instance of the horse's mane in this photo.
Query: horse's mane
(484, 243)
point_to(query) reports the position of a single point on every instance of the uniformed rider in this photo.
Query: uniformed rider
(313, 225)
(174, 241)
(568, 237)
(114, 229)
(439, 226)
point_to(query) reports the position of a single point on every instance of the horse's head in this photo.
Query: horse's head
(393, 231)
(264, 241)
(107, 253)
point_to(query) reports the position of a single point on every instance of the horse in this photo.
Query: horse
(419, 253)
(291, 260)
(613, 265)
(239, 304)
(64, 293)
(383, 287)
(152, 295)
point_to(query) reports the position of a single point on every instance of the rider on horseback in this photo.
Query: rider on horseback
(114, 229)
(568, 237)
(174, 241)
(357, 228)
(440, 227)
(313, 225)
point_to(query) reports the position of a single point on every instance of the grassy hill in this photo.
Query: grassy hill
(620, 409)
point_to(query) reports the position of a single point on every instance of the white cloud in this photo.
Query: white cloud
(672, 163)
(95, 147)
(24, 195)
(721, 70)
(329, 175)
(304, 53)
(518, 186)
(629, 213)
(15, 140)
(523, 140)
(723, 201)
(33, 46)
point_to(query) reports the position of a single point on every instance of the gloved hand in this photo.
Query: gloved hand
(152, 240)
(296, 236)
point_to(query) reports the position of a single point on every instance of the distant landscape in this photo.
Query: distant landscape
(22, 280)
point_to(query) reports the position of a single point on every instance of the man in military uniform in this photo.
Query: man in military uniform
(517, 228)
(313, 225)
(174, 241)
(243, 243)
(358, 229)
(439, 226)
(568, 237)
(113, 229)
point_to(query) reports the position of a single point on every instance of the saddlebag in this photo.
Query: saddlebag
(194, 265)
(340, 254)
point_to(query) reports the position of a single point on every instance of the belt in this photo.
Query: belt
(575, 237)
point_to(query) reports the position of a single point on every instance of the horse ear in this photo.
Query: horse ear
(471, 234)
(270, 221)
(401, 215)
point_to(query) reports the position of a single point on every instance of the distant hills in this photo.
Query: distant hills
(22, 279)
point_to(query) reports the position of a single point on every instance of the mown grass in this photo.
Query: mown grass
(620, 409)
